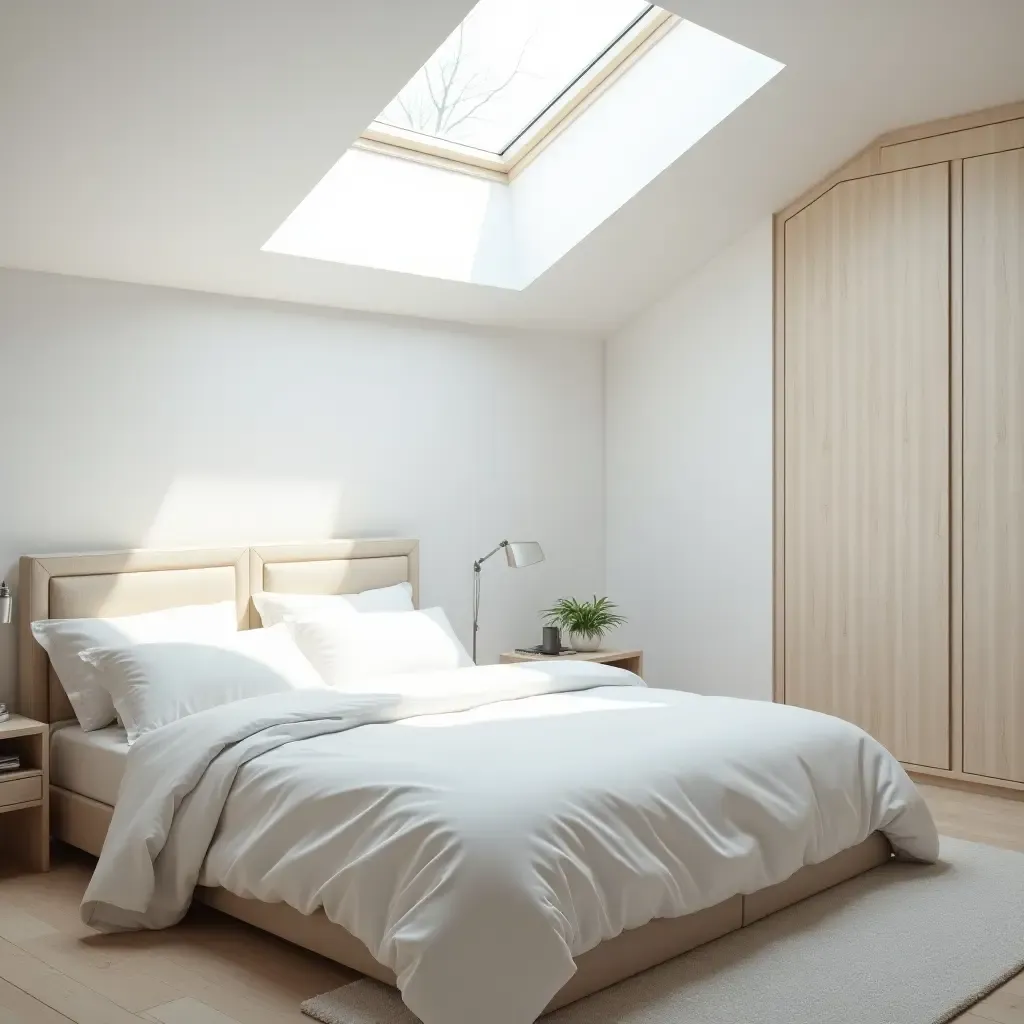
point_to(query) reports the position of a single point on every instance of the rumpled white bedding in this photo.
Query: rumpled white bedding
(477, 829)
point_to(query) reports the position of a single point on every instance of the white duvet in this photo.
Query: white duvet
(477, 829)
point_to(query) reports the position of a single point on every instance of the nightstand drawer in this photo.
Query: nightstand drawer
(21, 790)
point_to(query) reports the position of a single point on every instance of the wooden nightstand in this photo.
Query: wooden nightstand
(25, 794)
(631, 661)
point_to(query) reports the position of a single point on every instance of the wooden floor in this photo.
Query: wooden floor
(213, 970)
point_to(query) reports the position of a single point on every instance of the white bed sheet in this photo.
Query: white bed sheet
(89, 763)
(477, 829)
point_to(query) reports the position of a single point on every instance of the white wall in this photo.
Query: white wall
(689, 476)
(643, 115)
(148, 417)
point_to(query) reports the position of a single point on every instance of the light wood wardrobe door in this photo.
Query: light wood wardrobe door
(867, 459)
(994, 465)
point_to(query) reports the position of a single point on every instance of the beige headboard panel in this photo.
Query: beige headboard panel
(333, 567)
(129, 582)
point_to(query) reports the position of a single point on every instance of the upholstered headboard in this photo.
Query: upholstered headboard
(129, 582)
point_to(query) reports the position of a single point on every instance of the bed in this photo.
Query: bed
(86, 768)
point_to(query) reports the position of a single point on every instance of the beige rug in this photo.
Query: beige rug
(903, 944)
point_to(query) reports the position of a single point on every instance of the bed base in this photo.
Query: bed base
(83, 823)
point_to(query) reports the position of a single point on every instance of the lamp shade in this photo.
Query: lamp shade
(521, 553)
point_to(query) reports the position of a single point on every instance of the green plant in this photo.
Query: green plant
(584, 618)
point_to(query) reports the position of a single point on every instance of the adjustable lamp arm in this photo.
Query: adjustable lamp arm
(518, 553)
(477, 565)
(480, 561)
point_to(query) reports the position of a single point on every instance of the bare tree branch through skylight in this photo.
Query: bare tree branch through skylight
(505, 65)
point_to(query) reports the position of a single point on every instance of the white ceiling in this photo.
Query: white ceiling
(164, 142)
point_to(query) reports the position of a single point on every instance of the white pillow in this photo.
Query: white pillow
(65, 639)
(154, 684)
(345, 648)
(275, 608)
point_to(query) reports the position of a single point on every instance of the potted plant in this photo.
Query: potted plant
(586, 622)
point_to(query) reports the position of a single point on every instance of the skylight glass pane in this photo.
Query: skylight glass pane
(505, 65)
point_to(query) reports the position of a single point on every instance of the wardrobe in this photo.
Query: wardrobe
(899, 446)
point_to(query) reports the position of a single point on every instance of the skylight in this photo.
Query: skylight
(510, 70)
(654, 92)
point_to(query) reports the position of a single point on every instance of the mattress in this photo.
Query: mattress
(89, 763)
(570, 803)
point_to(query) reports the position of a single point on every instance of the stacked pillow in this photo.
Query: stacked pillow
(347, 648)
(151, 670)
(154, 684)
(64, 640)
(349, 637)
(275, 608)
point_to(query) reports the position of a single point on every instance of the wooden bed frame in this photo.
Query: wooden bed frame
(122, 583)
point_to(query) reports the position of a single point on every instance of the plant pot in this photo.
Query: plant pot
(584, 644)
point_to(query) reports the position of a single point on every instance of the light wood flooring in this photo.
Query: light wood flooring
(213, 970)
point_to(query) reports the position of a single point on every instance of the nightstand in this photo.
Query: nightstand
(631, 661)
(25, 794)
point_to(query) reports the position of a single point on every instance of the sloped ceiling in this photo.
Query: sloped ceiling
(163, 142)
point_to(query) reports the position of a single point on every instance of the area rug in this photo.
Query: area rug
(902, 944)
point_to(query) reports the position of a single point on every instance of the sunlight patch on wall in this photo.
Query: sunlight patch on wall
(219, 510)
